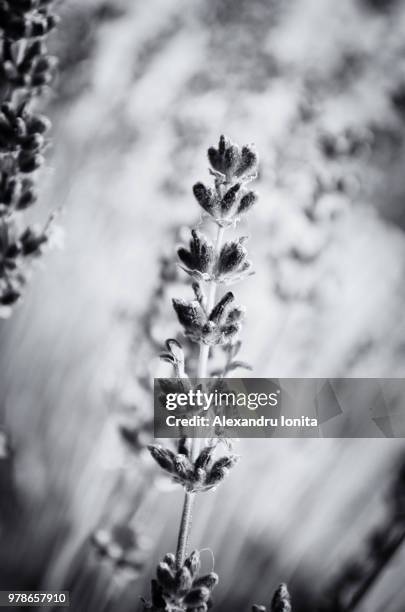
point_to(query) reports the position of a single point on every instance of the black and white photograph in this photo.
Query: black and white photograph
(202, 305)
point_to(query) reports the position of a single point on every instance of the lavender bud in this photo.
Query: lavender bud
(179, 385)
(222, 145)
(33, 142)
(226, 462)
(218, 311)
(235, 315)
(164, 457)
(203, 458)
(229, 198)
(215, 159)
(6, 134)
(281, 600)
(256, 608)
(199, 477)
(204, 196)
(26, 199)
(170, 559)
(165, 577)
(36, 49)
(11, 189)
(8, 110)
(45, 63)
(232, 159)
(248, 162)
(19, 127)
(231, 330)
(38, 124)
(202, 607)
(157, 600)
(197, 596)
(41, 79)
(247, 202)
(183, 467)
(201, 254)
(220, 469)
(29, 162)
(216, 475)
(183, 581)
(39, 28)
(231, 257)
(210, 581)
(52, 21)
(186, 258)
(32, 241)
(9, 297)
(188, 313)
(193, 562)
(203, 251)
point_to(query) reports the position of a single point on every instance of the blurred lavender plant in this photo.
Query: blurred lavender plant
(135, 428)
(209, 324)
(358, 576)
(122, 546)
(279, 603)
(181, 588)
(26, 67)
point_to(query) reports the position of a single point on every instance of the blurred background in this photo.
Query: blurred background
(143, 89)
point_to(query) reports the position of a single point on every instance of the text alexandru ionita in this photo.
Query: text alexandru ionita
(207, 401)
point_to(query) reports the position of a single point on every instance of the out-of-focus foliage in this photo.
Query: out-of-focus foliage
(26, 68)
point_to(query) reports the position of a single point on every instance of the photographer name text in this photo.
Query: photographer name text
(224, 421)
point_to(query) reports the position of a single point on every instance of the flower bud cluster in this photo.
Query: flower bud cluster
(25, 61)
(219, 326)
(225, 207)
(22, 141)
(281, 601)
(195, 476)
(16, 247)
(202, 262)
(232, 168)
(25, 67)
(181, 589)
(27, 18)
